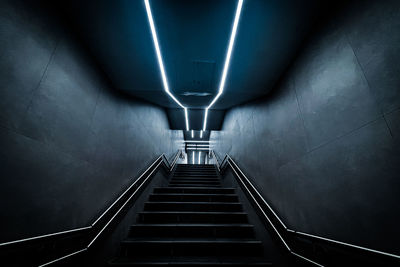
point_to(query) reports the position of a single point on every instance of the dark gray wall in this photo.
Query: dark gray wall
(69, 144)
(324, 148)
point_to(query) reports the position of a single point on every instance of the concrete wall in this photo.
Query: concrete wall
(69, 144)
(324, 148)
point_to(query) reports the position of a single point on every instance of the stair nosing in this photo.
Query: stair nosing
(193, 225)
(188, 212)
(185, 194)
(194, 241)
(184, 187)
(194, 202)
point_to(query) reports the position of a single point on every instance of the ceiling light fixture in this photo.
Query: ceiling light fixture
(227, 61)
(160, 62)
(198, 145)
(199, 156)
(192, 141)
(192, 134)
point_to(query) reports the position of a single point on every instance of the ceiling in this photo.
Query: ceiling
(193, 37)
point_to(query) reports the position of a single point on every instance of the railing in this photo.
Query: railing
(288, 237)
(88, 235)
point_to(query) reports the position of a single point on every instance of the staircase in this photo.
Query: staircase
(192, 221)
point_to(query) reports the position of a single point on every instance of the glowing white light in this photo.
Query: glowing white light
(227, 61)
(160, 61)
(193, 157)
(201, 134)
(205, 119)
(193, 141)
(192, 134)
(199, 156)
(186, 119)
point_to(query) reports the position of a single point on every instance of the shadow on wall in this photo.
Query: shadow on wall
(324, 148)
(69, 145)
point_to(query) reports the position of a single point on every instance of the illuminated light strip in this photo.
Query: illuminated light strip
(193, 141)
(201, 134)
(160, 61)
(193, 158)
(227, 61)
(186, 119)
(199, 156)
(192, 134)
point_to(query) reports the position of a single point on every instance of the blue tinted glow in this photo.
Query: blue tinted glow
(160, 61)
(227, 61)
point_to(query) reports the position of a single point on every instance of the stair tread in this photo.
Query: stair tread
(240, 260)
(177, 240)
(189, 175)
(197, 212)
(195, 169)
(194, 224)
(194, 203)
(204, 181)
(184, 187)
(196, 178)
(193, 220)
(196, 174)
(192, 186)
(187, 198)
(194, 190)
(186, 194)
(198, 171)
(196, 183)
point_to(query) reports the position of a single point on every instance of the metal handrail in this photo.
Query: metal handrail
(265, 215)
(45, 236)
(219, 166)
(161, 159)
(216, 160)
(228, 159)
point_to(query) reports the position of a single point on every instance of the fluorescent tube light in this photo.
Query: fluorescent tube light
(160, 61)
(227, 61)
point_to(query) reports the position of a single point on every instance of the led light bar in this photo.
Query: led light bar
(186, 119)
(194, 141)
(199, 156)
(192, 134)
(193, 157)
(227, 61)
(160, 62)
(201, 134)
(196, 145)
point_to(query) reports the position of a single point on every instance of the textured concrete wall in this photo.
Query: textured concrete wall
(68, 144)
(324, 148)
